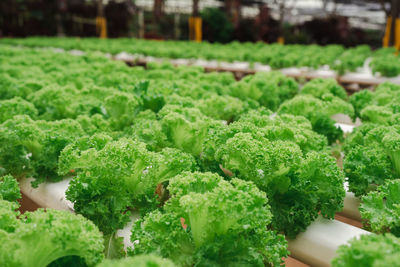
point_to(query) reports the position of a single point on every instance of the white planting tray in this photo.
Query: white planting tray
(363, 75)
(48, 195)
(52, 195)
(350, 209)
(316, 246)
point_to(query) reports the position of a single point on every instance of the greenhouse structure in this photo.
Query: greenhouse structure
(199, 133)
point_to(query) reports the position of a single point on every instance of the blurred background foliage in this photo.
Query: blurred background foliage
(223, 21)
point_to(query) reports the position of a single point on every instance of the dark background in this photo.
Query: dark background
(20, 18)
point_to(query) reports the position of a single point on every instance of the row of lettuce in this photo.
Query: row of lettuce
(383, 61)
(219, 170)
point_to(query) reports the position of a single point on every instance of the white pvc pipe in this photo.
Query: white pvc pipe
(323, 71)
(52, 195)
(350, 207)
(346, 128)
(48, 195)
(318, 244)
(351, 202)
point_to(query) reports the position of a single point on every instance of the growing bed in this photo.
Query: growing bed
(176, 143)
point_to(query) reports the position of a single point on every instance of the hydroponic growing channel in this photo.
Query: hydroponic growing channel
(197, 168)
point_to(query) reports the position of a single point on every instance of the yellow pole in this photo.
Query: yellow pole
(101, 25)
(195, 29)
(198, 29)
(386, 38)
(397, 35)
